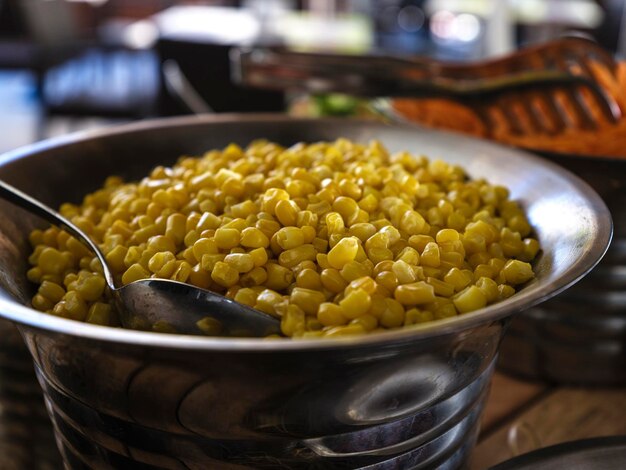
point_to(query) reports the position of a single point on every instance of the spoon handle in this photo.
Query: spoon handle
(17, 197)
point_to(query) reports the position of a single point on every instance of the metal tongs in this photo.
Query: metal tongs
(540, 89)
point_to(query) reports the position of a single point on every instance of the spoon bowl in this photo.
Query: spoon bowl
(161, 305)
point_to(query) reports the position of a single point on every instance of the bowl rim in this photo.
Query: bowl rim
(26, 316)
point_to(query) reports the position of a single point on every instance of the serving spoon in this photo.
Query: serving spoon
(152, 303)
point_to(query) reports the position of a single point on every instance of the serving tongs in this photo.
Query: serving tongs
(540, 89)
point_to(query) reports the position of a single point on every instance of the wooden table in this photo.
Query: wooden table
(522, 416)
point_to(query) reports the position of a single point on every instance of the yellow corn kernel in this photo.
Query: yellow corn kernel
(307, 299)
(332, 280)
(511, 243)
(343, 252)
(335, 223)
(259, 256)
(348, 330)
(51, 291)
(413, 223)
(350, 189)
(381, 266)
(489, 232)
(41, 303)
(309, 233)
(376, 254)
(404, 272)
(416, 293)
(330, 314)
(489, 287)
(347, 208)
(204, 246)
(224, 274)
(362, 231)
(431, 255)
(77, 248)
(278, 277)
(355, 303)
(56, 278)
(243, 209)
(242, 262)
(176, 228)
(419, 242)
(354, 270)
(267, 300)
(409, 255)
(393, 314)
(91, 287)
(377, 241)
(182, 272)
(246, 296)
(134, 273)
(367, 321)
(75, 306)
(458, 279)
(505, 291)
(167, 270)
(227, 238)
(293, 321)
(447, 235)
(252, 237)
(191, 237)
(99, 313)
(469, 299)
(309, 279)
(36, 236)
(287, 212)
(415, 316)
(289, 237)
(271, 197)
(290, 258)
(210, 326)
(388, 280)
(256, 277)
(369, 203)
(158, 260)
(115, 258)
(474, 243)
(441, 288)
(208, 221)
(530, 250)
(161, 243)
(238, 224)
(52, 261)
(34, 274)
(198, 276)
(519, 223)
(517, 272)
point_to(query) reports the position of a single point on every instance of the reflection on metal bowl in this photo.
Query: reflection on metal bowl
(407, 398)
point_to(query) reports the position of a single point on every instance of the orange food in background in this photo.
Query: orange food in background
(608, 139)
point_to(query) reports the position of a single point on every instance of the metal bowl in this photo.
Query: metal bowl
(407, 398)
(580, 336)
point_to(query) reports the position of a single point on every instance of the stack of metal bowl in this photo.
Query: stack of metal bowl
(580, 336)
(409, 398)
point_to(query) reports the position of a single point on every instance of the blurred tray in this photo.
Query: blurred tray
(603, 453)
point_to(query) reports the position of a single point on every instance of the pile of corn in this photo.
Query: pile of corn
(333, 238)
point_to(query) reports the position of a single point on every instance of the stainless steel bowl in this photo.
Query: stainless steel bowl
(580, 336)
(400, 399)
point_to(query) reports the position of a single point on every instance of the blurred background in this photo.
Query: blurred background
(67, 65)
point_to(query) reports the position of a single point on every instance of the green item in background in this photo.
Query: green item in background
(335, 105)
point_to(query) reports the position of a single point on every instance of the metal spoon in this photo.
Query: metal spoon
(147, 303)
